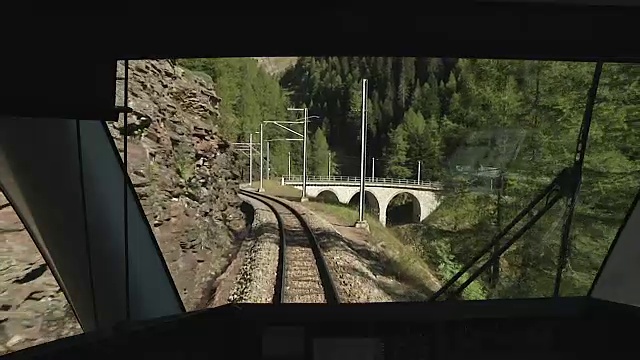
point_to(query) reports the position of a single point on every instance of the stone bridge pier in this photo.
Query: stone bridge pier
(424, 201)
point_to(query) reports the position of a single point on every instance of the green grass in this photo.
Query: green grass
(405, 263)
(273, 187)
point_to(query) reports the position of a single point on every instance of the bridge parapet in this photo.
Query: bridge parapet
(355, 180)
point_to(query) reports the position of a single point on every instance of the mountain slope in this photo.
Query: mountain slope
(276, 65)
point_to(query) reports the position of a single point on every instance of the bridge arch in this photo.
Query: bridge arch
(343, 194)
(328, 196)
(371, 202)
(403, 207)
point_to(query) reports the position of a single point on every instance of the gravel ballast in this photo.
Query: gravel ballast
(357, 270)
(255, 274)
(358, 267)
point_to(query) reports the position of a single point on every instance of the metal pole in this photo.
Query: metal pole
(289, 164)
(419, 171)
(268, 163)
(363, 133)
(261, 189)
(250, 159)
(125, 200)
(304, 155)
(373, 168)
(576, 171)
(329, 166)
(495, 269)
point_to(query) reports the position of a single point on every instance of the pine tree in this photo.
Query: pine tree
(428, 102)
(450, 86)
(279, 158)
(372, 118)
(387, 109)
(424, 143)
(247, 108)
(416, 98)
(396, 154)
(434, 71)
(335, 165)
(456, 112)
(318, 160)
(354, 115)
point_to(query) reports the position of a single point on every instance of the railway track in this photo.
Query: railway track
(303, 275)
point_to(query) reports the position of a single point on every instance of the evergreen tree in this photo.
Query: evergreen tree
(428, 102)
(335, 165)
(279, 158)
(396, 154)
(354, 116)
(456, 112)
(318, 160)
(449, 90)
(434, 69)
(423, 143)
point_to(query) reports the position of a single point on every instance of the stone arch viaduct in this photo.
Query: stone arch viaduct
(378, 191)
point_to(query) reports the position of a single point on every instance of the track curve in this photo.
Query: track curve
(303, 275)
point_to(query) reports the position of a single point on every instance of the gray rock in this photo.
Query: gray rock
(15, 340)
(172, 111)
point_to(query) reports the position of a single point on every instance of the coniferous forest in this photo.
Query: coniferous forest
(458, 118)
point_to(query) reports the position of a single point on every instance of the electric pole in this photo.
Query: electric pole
(373, 168)
(280, 124)
(268, 163)
(261, 189)
(304, 152)
(363, 158)
(251, 159)
(304, 155)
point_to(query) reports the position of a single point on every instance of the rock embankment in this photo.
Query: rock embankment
(184, 173)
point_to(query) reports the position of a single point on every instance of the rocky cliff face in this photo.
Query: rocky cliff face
(186, 178)
(33, 309)
(276, 65)
(185, 174)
